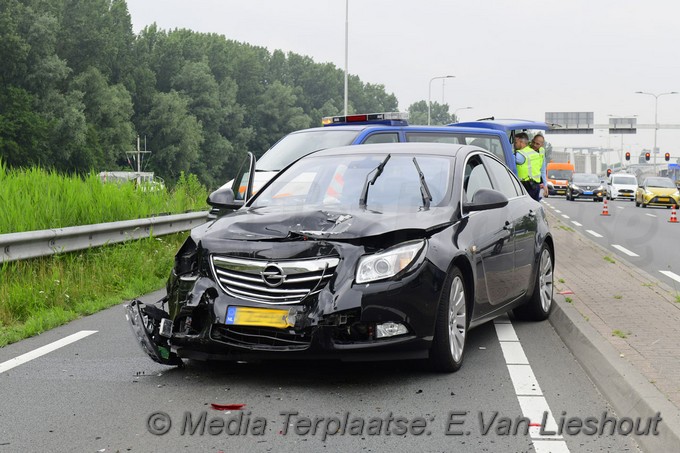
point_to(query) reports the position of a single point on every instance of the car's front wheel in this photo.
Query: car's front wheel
(537, 307)
(451, 326)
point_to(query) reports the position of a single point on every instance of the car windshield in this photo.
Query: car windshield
(660, 182)
(337, 182)
(293, 146)
(629, 180)
(586, 178)
(560, 174)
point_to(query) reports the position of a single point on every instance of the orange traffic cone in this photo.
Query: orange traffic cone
(605, 210)
(674, 217)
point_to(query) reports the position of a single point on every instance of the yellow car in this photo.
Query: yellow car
(657, 191)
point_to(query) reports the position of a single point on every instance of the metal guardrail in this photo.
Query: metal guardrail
(32, 244)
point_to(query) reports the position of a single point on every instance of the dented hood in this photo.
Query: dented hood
(286, 223)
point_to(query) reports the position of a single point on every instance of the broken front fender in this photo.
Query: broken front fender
(147, 323)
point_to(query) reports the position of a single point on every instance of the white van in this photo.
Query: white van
(621, 185)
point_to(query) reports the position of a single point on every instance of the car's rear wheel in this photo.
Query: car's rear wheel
(451, 326)
(539, 304)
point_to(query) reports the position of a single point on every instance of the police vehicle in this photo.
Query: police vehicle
(493, 135)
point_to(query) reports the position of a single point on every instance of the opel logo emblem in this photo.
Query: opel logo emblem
(273, 275)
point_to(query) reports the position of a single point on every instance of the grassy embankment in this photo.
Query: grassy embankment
(42, 293)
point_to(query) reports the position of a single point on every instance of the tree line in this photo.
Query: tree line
(77, 86)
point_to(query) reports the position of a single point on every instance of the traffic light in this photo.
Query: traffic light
(627, 156)
(647, 156)
(667, 156)
(609, 172)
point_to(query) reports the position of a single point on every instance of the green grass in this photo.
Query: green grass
(569, 299)
(620, 334)
(677, 298)
(38, 199)
(618, 296)
(43, 293)
(561, 280)
(566, 228)
(609, 259)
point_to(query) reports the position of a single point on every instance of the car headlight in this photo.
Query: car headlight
(388, 263)
(647, 192)
(550, 185)
(676, 194)
(575, 187)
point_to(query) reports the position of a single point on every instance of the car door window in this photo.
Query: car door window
(502, 180)
(492, 144)
(382, 138)
(433, 137)
(475, 178)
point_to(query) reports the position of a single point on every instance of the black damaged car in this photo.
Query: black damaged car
(357, 253)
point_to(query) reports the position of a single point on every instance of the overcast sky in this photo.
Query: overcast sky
(510, 58)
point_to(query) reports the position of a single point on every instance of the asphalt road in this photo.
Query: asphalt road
(97, 393)
(642, 236)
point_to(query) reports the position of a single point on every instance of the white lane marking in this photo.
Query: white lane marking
(565, 216)
(672, 275)
(505, 332)
(20, 360)
(558, 211)
(529, 395)
(651, 215)
(597, 235)
(576, 223)
(621, 207)
(513, 353)
(624, 250)
(549, 446)
(523, 379)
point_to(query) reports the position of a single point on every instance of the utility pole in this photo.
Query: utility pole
(138, 155)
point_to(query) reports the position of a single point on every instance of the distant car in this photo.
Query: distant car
(622, 185)
(370, 252)
(585, 186)
(657, 191)
(559, 174)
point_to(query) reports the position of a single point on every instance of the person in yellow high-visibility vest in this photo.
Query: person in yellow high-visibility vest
(537, 144)
(529, 163)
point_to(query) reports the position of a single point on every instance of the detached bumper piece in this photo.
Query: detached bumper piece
(152, 326)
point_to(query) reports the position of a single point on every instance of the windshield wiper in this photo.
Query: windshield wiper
(378, 171)
(424, 190)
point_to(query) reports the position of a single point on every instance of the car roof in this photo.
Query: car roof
(505, 124)
(443, 149)
(410, 128)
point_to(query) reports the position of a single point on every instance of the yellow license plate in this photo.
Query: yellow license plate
(561, 192)
(664, 199)
(261, 317)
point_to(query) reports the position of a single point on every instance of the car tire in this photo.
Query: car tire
(448, 347)
(539, 303)
(644, 205)
(637, 205)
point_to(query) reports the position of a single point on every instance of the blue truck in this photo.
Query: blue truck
(493, 135)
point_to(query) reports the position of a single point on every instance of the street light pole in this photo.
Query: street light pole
(656, 119)
(455, 112)
(429, 95)
(346, 46)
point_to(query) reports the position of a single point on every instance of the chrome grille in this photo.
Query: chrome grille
(272, 282)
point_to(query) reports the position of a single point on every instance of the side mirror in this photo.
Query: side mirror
(228, 199)
(485, 199)
(224, 198)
